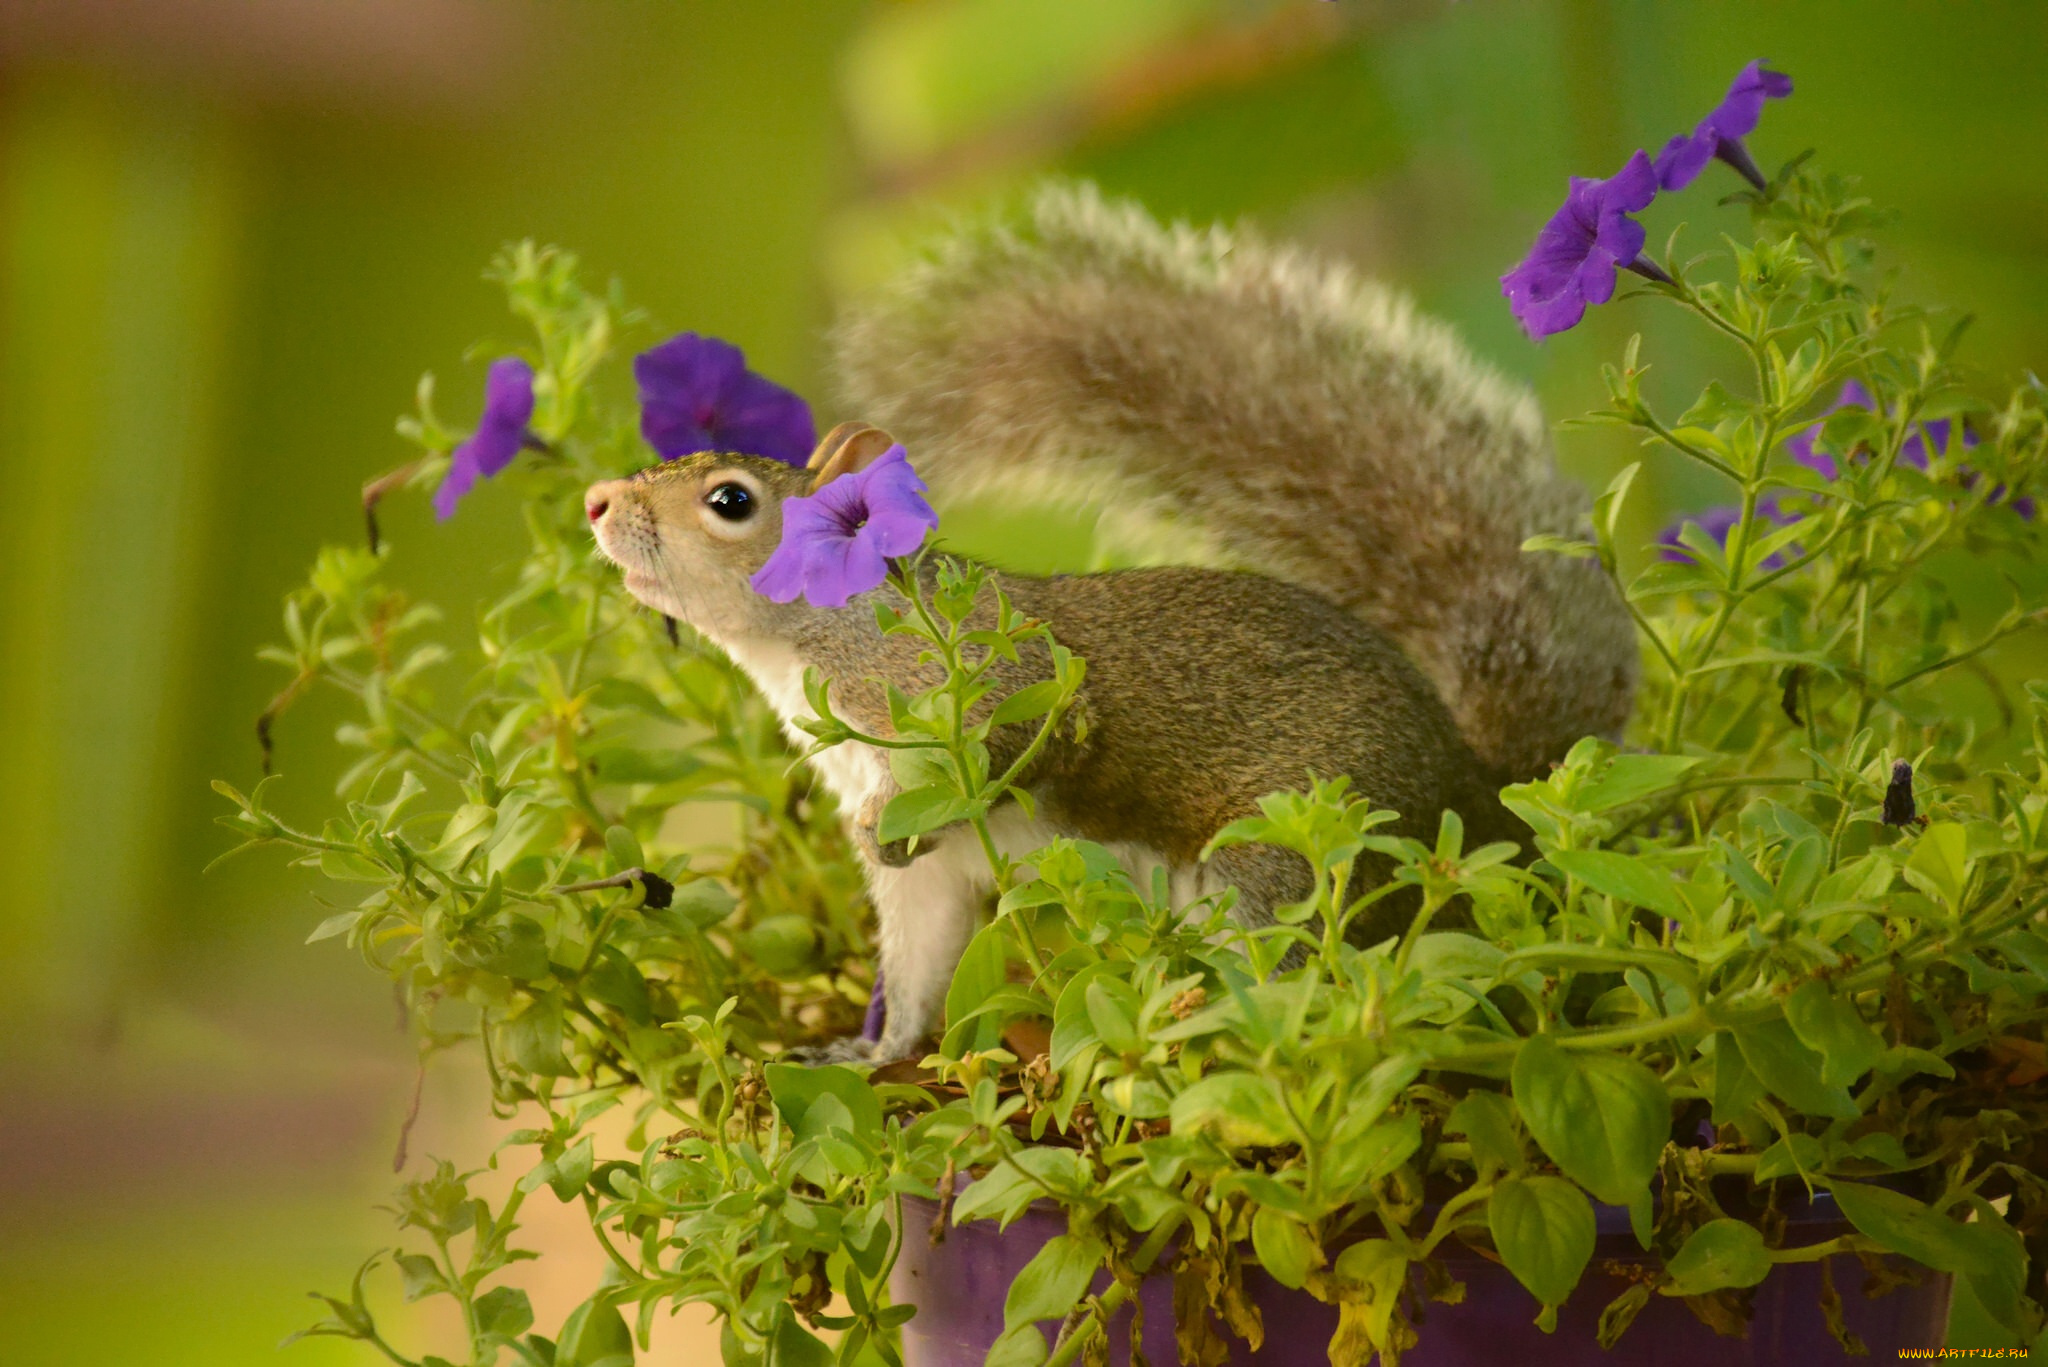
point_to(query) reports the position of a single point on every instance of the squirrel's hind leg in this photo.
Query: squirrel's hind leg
(927, 911)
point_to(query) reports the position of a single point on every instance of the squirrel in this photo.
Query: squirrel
(1354, 486)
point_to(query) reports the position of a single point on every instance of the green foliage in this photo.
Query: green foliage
(1721, 932)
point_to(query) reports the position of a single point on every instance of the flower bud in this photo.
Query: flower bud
(1898, 797)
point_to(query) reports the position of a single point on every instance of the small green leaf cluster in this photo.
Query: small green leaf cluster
(1713, 980)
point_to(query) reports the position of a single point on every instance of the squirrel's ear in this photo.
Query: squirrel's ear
(846, 448)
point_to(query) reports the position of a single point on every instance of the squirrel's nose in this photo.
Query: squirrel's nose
(597, 499)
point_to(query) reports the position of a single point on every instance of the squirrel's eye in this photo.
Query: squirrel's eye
(731, 502)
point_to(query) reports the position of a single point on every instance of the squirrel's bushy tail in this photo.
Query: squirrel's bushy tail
(1307, 423)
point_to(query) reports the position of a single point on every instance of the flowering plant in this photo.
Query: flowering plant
(1791, 942)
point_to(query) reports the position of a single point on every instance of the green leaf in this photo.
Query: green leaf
(1720, 1253)
(1054, 1280)
(1830, 1024)
(1488, 1124)
(1034, 700)
(696, 905)
(1796, 1155)
(1543, 1230)
(1631, 778)
(1023, 1346)
(784, 946)
(1607, 507)
(1805, 862)
(2001, 1288)
(1110, 1017)
(919, 811)
(1714, 407)
(1662, 577)
(1791, 1071)
(341, 923)
(571, 1172)
(796, 1088)
(1904, 1225)
(1365, 1151)
(1380, 1270)
(420, 1275)
(1285, 1249)
(515, 948)
(346, 867)
(533, 1039)
(1736, 1085)
(796, 1346)
(1622, 877)
(610, 767)
(1561, 545)
(617, 982)
(1940, 863)
(624, 848)
(1239, 1108)
(1454, 954)
(1602, 1118)
(982, 970)
(593, 1333)
(504, 1311)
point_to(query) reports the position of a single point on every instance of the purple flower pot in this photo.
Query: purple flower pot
(958, 1290)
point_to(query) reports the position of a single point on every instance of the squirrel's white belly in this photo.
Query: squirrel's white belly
(851, 773)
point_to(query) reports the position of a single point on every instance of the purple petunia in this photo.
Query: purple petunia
(1576, 255)
(500, 433)
(1720, 134)
(837, 542)
(696, 394)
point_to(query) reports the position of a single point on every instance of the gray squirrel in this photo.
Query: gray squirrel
(1354, 487)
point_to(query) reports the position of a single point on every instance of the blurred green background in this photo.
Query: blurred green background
(233, 232)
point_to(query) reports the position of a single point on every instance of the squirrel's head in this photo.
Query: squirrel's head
(689, 534)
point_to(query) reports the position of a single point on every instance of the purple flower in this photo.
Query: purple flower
(1720, 134)
(1577, 253)
(1718, 522)
(836, 543)
(696, 394)
(500, 432)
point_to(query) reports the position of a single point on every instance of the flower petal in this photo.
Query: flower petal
(1741, 108)
(461, 478)
(1574, 258)
(898, 518)
(758, 417)
(696, 394)
(1683, 158)
(836, 543)
(500, 432)
(508, 393)
(1630, 189)
(680, 381)
(1686, 155)
(860, 567)
(781, 579)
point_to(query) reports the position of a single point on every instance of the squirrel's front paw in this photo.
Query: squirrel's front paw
(852, 1049)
